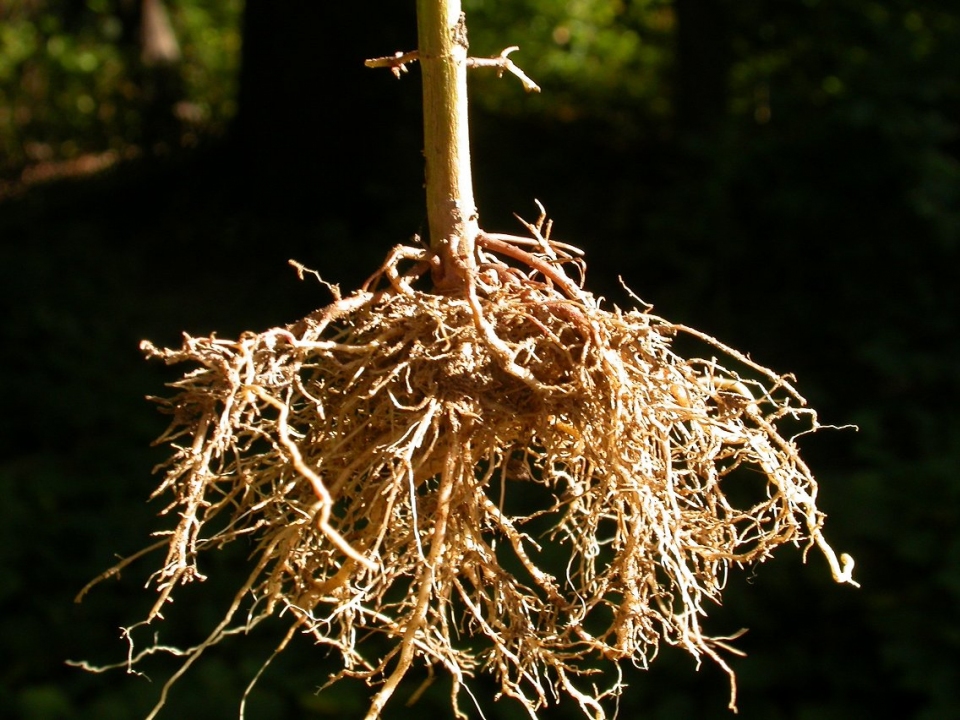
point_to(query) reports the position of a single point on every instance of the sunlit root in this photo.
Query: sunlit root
(512, 480)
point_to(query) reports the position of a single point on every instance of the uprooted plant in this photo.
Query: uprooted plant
(494, 475)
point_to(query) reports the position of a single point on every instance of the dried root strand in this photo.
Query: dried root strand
(514, 480)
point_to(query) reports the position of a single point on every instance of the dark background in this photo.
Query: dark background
(782, 174)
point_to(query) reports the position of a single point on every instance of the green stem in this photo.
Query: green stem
(451, 210)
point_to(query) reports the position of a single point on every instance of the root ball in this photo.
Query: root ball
(516, 480)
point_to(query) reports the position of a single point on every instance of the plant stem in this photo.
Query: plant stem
(451, 211)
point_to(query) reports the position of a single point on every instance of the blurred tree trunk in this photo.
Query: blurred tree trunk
(312, 120)
(159, 44)
(703, 62)
(703, 58)
(160, 79)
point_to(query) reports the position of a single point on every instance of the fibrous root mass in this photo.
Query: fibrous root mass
(511, 479)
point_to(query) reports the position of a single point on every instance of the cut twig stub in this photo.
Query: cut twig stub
(397, 64)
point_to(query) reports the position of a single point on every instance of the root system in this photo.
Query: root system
(512, 480)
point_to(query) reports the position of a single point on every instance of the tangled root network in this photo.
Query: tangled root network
(510, 480)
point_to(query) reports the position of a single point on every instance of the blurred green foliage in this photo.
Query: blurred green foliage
(813, 221)
(607, 60)
(72, 80)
